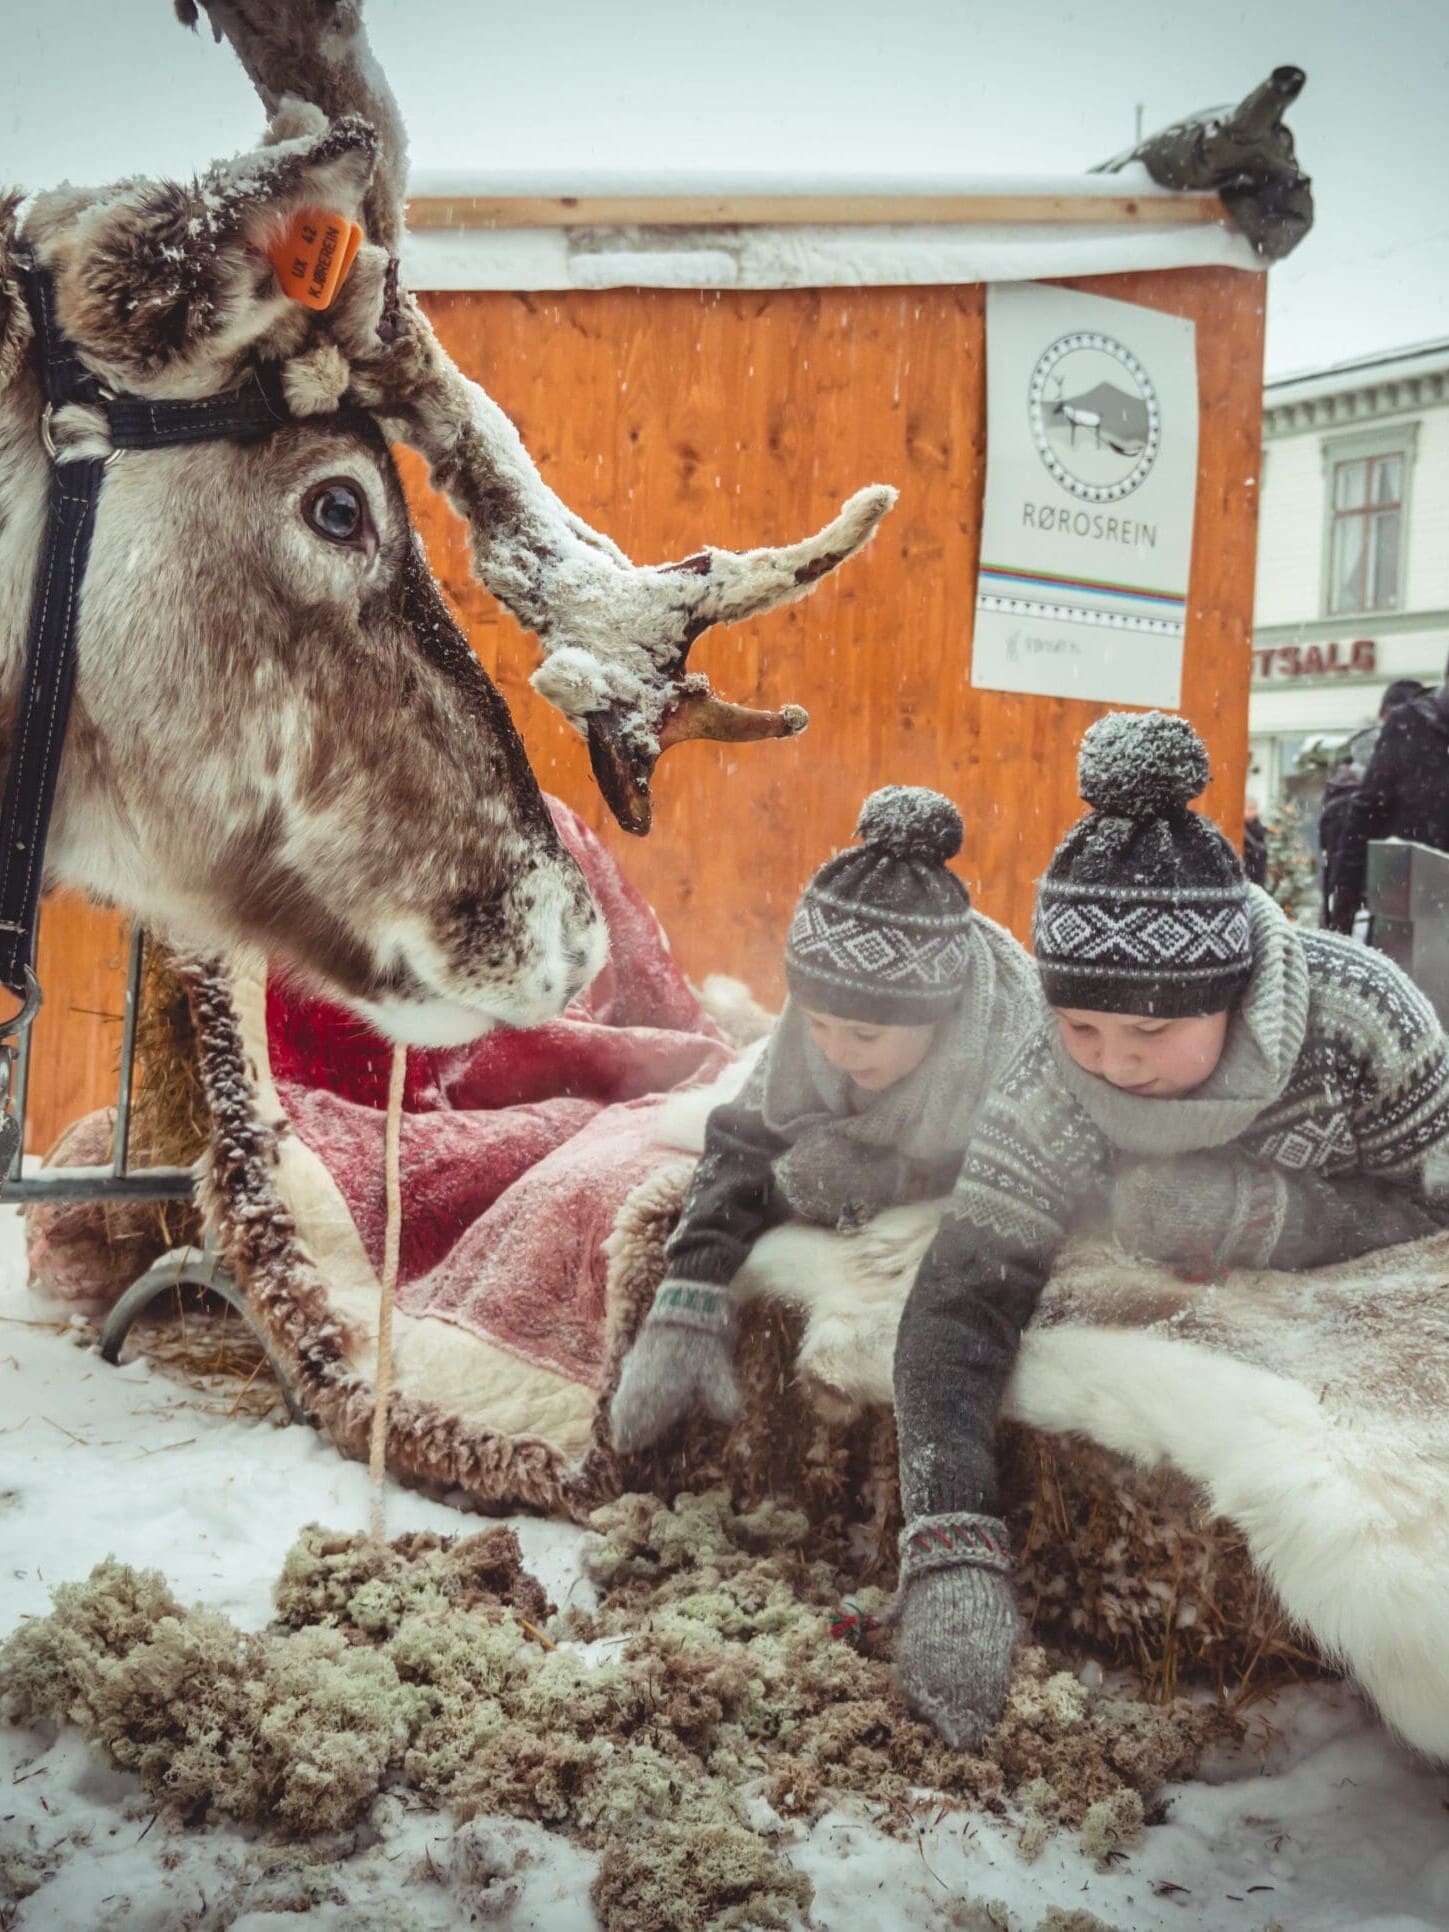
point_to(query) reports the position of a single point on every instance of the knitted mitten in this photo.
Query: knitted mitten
(681, 1364)
(958, 1624)
(1205, 1211)
(839, 1183)
(1339, 1217)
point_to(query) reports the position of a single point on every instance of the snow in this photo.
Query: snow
(1320, 1821)
(450, 184)
(799, 253)
(808, 255)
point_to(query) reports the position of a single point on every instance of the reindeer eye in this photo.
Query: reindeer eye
(336, 510)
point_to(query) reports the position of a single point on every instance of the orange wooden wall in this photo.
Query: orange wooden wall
(671, 418)
(75, 1043)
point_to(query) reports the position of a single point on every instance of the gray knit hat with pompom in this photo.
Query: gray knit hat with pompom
(882, 933)
(1144, 907)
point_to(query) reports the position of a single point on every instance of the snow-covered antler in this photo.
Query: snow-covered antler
(616, 636)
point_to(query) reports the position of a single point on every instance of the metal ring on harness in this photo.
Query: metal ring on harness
(47, 435)
(30, 1006)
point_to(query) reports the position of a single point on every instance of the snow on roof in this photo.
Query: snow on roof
(438, 183)
(746, 230)
(1359, 372)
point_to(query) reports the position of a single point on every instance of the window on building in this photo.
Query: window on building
(1365, 531)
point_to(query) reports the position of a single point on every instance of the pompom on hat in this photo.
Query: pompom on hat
(882, 933)
(1144, 907)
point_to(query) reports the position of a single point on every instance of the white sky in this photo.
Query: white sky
(90, 89)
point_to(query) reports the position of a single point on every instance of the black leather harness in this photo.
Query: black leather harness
(255, 408)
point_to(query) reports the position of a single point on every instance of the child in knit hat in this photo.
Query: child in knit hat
(1243, 1093)
(904, 1003)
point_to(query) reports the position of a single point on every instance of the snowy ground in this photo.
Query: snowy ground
(1322, 1822)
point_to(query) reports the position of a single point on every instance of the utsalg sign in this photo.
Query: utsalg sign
(1289, 661)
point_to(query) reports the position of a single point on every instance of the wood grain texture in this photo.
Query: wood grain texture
(753, 211)
(75, 1044)
(670, 418)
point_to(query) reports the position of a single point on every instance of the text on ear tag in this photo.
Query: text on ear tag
(315, 255)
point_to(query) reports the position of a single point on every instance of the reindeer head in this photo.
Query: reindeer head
(280, 737)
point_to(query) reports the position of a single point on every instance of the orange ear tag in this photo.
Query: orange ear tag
(315, 255)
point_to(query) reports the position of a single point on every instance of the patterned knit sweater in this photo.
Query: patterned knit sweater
(801, 1140)
(1351, 1105)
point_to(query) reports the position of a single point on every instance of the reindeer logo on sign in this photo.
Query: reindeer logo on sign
(1095, 417)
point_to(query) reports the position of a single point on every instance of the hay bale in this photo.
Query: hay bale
(90, 1250)
(1127, 1565)
(1116, 1562)
(170, 1118)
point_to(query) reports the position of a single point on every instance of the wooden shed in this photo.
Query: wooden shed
(726, 367)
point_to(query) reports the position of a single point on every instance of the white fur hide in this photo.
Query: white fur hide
(1312, 1410)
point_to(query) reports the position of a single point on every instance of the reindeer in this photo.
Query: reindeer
(279, 736)
(1078, 417)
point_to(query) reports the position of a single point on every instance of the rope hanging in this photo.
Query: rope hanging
(392, 1238)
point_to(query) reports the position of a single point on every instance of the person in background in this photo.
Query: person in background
(1231, 1090)
(904, 1005)
(1403, 793)
(1343, 781)
(1255, 844)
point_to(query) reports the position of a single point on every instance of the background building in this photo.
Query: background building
(1353, 551)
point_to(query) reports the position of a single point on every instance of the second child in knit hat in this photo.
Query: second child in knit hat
(1242, 1092)
(904, 1003)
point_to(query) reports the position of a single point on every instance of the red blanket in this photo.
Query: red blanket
(517, 1151)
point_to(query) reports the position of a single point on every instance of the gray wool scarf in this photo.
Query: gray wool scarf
(852, 1153)
(1265, 1038)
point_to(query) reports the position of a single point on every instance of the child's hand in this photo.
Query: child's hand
(681, 1364)
(958, 1625)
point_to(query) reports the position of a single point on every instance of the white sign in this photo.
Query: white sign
(1091, 478)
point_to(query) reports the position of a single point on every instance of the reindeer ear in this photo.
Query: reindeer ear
(167, 286)
(15, 328)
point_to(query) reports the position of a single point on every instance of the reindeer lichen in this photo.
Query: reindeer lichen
(707, 1678)
(1112, 1824)
(698, 1873)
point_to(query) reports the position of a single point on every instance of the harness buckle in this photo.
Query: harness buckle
(47, 435)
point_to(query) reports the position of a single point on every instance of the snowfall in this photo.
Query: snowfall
(1318, 1819)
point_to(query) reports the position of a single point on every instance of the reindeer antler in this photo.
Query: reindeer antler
(318, 51)
(616, 636)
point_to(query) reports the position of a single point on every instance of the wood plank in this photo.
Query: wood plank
(756, 211)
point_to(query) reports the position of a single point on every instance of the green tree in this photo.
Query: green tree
(1292, 873)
